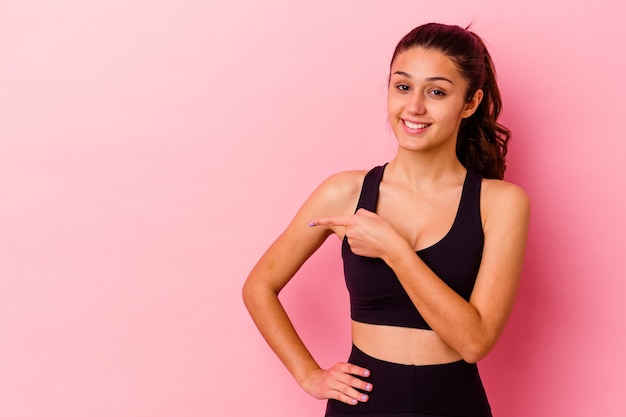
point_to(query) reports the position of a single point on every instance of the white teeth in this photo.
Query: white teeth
(416, 125)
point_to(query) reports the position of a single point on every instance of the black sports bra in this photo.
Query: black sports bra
(376, 295)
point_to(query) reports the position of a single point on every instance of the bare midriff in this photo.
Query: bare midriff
(402, 344)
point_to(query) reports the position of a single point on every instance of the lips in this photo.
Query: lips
(415, 125)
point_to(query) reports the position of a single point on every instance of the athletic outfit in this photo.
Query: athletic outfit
(377, 297)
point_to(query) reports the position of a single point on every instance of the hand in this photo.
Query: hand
(338, 383)
(368, 234)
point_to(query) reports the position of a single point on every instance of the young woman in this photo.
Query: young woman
(433, 244)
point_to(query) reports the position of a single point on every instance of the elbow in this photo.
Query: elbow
(476, 350)
(248, 294)
(256, 295)
(474, 356)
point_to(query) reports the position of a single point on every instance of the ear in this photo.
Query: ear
(472, 105)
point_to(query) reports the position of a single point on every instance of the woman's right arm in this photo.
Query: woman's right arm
(336, 196)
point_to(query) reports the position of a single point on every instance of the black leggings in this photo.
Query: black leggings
(451, 389)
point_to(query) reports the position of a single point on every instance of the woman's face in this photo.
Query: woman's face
(427, 100)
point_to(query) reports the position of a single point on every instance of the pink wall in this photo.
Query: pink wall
(151, 150)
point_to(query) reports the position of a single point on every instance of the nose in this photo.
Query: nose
(415, 104)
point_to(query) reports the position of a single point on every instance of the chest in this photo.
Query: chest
(423, 219)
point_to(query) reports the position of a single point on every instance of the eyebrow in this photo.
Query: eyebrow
(429, 79)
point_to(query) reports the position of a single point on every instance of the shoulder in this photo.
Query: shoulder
(503, 201)
(338, 195)
(502, 192)
(340, 192)
(343, 183)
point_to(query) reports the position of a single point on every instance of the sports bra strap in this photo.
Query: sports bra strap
(369, 193)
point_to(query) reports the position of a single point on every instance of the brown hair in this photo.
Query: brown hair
(482, 141)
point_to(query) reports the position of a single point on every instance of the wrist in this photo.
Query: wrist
(304, 375)
(398, 251)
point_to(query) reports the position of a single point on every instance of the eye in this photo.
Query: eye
(438, 93)
(403, 87)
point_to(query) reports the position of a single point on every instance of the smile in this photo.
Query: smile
(412, 125)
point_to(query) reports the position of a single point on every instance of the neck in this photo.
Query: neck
(417, 169)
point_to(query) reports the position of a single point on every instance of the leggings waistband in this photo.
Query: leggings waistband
(400, 390)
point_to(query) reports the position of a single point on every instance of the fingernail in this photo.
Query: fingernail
(366, 373)
(368, 387)
(353, 401)
(311, 224)
(363, 397)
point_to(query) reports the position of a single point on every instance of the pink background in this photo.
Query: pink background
(151, 150)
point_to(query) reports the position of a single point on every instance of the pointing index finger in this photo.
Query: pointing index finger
(331, 221)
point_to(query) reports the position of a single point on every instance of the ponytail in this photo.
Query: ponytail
(482, 142)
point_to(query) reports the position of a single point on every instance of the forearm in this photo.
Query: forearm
(275, 326)
(457, 322)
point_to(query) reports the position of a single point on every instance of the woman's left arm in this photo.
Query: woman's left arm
(470, 328)
(473, 328)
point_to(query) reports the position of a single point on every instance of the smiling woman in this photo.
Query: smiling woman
(482, 140)
(414, 87)
(433, 244)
